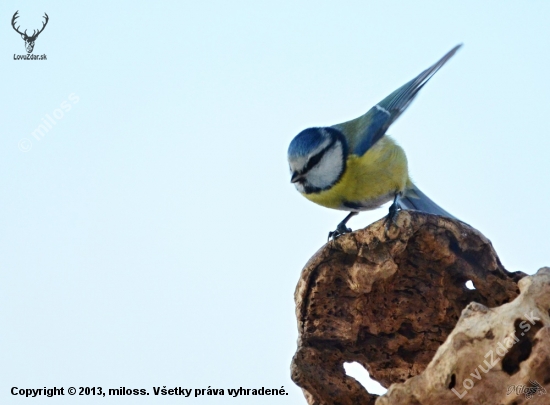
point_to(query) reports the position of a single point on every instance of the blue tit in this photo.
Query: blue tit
(355, 166)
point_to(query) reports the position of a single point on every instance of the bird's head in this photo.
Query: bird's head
(317, 159)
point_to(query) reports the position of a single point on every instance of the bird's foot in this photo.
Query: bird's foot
(391, 218)
(341, 229)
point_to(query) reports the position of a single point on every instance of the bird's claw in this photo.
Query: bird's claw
(341, 229)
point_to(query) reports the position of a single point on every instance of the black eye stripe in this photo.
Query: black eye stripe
(317, 157)
(314, 160)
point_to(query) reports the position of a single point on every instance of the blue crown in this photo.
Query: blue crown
(306, 141)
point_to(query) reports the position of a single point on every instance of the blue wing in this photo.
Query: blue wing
(366, 130)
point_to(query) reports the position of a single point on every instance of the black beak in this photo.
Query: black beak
(296, 177)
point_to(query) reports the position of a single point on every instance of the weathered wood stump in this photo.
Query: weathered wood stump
(493, 356)
(388, 299)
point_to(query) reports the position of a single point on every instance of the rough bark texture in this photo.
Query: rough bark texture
(493, 356)
(388, 299)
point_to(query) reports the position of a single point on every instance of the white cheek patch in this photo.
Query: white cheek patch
(325, 173)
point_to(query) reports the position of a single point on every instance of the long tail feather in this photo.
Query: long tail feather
(414, 199)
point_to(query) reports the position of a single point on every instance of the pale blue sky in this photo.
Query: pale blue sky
(153, 238)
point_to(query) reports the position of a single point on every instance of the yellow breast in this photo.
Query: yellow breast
(369, 180)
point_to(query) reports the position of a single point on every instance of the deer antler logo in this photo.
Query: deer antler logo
(29, 40)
